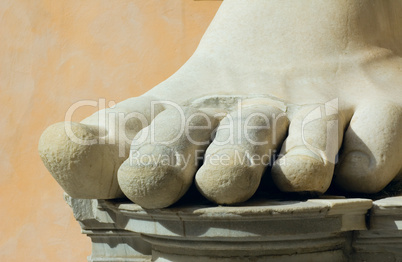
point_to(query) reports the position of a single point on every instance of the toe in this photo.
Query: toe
(163, 157)
(307, 159)
(236, 159)
(84, 157)
(228, 183)
(79, 162)
(372, 149)
(156, 187)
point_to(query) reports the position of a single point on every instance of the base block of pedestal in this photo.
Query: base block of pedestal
(323, 249)
(259, 230)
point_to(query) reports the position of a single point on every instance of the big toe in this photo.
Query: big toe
(80, 164)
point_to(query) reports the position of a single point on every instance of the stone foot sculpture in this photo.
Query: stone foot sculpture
(299, 84)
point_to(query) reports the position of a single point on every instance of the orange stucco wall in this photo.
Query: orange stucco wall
(53, 54)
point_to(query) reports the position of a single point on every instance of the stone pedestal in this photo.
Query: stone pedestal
(109, 242)
(383, 240)
(259, 230)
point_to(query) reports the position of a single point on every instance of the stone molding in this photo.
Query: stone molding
(260, 230)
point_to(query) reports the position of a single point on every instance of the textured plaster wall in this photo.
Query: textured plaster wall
(52, 54)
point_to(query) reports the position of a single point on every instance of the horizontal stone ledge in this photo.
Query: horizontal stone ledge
(326, 228)
(258, 218)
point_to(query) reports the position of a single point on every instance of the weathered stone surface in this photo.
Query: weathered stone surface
(383, 240)
(261, 230)
(332, 66)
